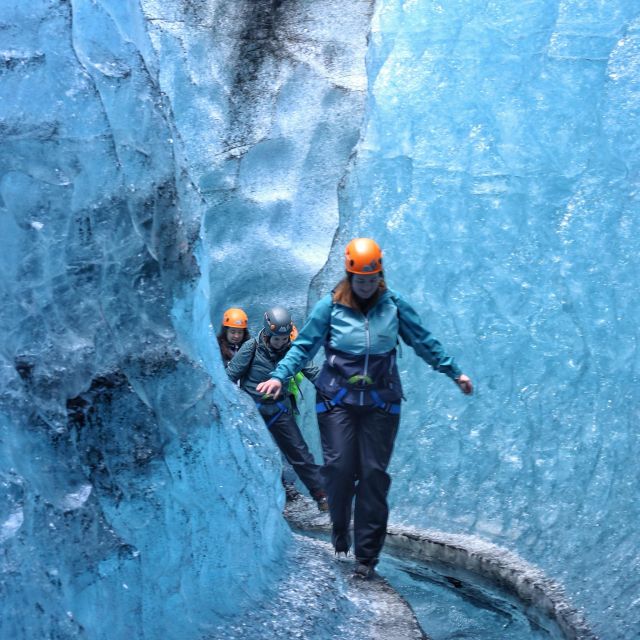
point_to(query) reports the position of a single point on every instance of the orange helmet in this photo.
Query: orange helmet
(235, 318)
(294, 332)
(363, 256)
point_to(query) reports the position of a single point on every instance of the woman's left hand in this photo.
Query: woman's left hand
(465, 384)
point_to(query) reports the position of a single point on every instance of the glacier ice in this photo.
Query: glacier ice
(163, 160)
(129, 478)
(140, 494)
(498, 169)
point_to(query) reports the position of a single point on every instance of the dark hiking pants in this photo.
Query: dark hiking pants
(357, 443)
(287, 435)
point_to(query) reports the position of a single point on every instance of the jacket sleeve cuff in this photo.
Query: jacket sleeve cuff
(455, 373)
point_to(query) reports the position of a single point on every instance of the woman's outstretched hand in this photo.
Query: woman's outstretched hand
(272, 387)
(465, 384)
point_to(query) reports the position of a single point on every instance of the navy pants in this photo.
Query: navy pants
(287, 435)
(357, 443)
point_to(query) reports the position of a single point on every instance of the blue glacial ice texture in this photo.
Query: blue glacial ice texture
(499, 168)
(129, 481)
(295, 79)
(500, 147)
(139, 498)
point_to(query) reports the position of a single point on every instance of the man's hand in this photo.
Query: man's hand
(273, 387)
(465, 384)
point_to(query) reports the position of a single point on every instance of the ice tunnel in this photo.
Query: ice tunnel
(160, 161)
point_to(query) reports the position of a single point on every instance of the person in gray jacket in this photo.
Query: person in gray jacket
(251, 365)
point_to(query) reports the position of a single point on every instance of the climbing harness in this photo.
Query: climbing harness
(283, 409)
(378, 402)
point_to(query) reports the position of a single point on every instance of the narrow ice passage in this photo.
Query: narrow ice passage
(160, 161)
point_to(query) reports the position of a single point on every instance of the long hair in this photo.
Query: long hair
(345, 295)
(226, 348)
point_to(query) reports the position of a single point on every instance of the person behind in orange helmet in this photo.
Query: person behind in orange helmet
(359, 393)
(233, 333)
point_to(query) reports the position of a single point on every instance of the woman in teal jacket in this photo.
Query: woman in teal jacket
(359, 393)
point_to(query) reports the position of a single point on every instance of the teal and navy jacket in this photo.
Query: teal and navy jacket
(360, 349)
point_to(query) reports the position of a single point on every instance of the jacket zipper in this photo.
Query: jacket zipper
(367, 346)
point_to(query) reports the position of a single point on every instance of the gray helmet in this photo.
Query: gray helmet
(277, 321)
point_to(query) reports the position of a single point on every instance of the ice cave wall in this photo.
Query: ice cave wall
(498, 169)
(131, 474)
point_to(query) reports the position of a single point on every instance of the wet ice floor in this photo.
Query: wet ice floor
(317, 598)
(448, 602)
(449, 606)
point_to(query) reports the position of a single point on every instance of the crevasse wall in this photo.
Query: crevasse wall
(164, 159)
(296, 84)
(498, 169)
(129, 477)
(158, 163)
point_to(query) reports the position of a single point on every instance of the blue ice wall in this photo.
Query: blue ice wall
(498, 168)
(162, 160)
(139, 496)
(296, 81)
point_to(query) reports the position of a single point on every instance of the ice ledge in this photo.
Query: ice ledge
(369, 610)
(538, 593)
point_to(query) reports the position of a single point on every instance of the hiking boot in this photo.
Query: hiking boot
(290, 492)
(321, 500)
(365, 569)
(341, 541)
